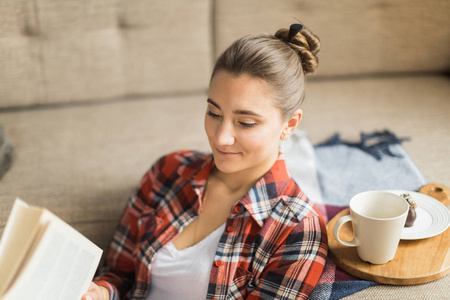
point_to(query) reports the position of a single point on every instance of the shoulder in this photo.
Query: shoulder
(295, 224)
(167, 170)
(302, 223)
(297, 208)
(171, 162)
(170, 167)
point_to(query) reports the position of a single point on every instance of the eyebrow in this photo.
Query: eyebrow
(238, 111)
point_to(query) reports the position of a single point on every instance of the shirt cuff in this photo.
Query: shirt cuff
(112, 290)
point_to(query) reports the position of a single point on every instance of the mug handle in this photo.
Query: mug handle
(337, 226)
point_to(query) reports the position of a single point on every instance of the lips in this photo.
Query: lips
(226, 153)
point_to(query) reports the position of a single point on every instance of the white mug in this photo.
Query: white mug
(378, 219)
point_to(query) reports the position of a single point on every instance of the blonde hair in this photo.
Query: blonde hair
(279, 63)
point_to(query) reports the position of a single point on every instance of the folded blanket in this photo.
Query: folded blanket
(332, 172)
(377, 162)
(6, 150)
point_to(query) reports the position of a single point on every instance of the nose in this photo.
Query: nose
(224, 135)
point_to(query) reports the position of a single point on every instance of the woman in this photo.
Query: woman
(233, 224)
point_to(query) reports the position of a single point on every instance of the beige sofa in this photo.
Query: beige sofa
(93, 91)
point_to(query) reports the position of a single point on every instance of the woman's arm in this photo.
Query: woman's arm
(118, 275)
(294, 269)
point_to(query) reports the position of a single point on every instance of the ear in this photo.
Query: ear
(292, 124)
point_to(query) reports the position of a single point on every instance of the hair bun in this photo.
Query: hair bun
(306, 44)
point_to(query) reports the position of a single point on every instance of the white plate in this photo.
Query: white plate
(432, 219)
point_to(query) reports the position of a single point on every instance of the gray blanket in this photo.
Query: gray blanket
(376, 162)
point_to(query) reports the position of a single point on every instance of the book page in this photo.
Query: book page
(20, 231)
(61, 267)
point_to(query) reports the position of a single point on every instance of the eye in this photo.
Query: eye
(247, 125)
(213, 115)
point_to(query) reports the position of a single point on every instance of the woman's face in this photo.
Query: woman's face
(242, 124)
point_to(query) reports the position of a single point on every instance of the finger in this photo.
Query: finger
(92, 287)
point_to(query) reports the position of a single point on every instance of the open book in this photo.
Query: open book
(44, 258)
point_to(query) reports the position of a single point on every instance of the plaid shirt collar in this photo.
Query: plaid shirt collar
(259, 200)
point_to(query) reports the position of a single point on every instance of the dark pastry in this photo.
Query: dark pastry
(412, 210)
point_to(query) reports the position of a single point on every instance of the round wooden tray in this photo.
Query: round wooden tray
(416, 261)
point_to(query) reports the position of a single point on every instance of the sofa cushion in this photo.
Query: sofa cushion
(64, 51)
(357, 37)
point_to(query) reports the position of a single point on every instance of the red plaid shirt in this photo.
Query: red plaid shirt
(276, 251)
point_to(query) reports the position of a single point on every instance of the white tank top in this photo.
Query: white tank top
(184, 274)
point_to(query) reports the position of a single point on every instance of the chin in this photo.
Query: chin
(226, 166)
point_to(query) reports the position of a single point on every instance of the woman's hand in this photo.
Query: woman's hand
(96, 292)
